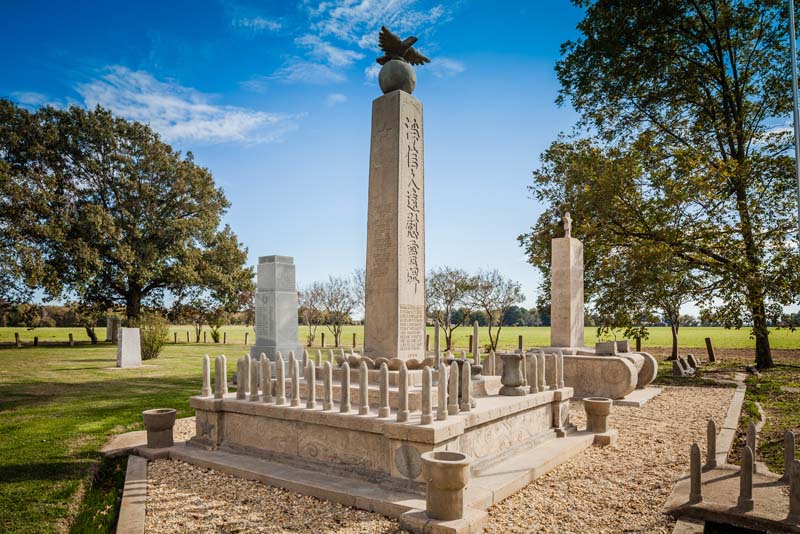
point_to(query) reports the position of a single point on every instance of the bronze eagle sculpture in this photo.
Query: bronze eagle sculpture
(395, 48)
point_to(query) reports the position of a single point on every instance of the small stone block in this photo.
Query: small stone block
(606, 438)
(473, 522)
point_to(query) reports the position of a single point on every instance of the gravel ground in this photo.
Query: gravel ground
(620, 488)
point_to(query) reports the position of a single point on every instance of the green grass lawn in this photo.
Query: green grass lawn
(690, 337)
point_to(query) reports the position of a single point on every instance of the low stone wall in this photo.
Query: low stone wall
(376, 447)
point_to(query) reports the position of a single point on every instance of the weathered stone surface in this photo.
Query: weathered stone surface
(696, 491)
(566, 290)
(745, 501)
(395, 276)
(649, 370)
(599, 376)
(512, 375)
(129, 348)
(206, 390)
(276, 307)
(446, 474)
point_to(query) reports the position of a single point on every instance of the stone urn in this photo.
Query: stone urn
(159, 423)
(511, 378)
(446, 474)
(597, 410)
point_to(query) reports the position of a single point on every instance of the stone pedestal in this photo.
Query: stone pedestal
(566, 293)
(129, 348)
(276, 308)
(394, 318)
(446, 474)
(159, 423)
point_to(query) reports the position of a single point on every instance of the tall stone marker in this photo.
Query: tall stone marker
(566, 290)
(276, 308)
(394, 318)
(129, 347)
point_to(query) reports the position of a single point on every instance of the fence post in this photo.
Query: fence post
(224, 338)
(71, 340)
(35, 341)
(246, 338)
(16, 339)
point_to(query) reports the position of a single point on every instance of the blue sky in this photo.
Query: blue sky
(275, 99)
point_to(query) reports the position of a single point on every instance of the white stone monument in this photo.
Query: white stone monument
(129, 348)
(276, 308)
(566, 289)
(394, 319)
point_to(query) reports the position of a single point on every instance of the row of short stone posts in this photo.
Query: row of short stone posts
(527, 373)
(256, 374)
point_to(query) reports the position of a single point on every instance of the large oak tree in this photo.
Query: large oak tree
(683, 96)
(98, 207)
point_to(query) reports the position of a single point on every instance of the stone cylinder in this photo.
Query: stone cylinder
(597, 410)
(512, 375)
(159, 423)
(446, 474)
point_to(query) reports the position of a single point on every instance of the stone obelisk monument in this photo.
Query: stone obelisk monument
(276, 308)
(394, 318)
(566, 290)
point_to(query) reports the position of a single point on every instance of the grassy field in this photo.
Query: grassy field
(690, 337)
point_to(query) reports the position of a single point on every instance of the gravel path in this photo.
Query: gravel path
(620, 488)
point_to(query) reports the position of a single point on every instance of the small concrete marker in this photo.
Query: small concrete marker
(383, 384)
(295, 375)
(696, 492)
(794, 492)
(441, 390)
(402, 408)
(788, 453)
(363, 390)
(280, 380)
(220, 380)
(266, 379)
(254, 381)
(745, 501)
(344, 399)
(711, 445)
(751, 441)
(206, 391)
(427, 378)
(311, 386)
(241, 391)
(466, 387)
(452, 390)
(327, 382)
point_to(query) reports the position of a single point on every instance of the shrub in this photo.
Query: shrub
(154, 330)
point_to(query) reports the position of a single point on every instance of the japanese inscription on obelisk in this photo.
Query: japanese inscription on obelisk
(394, 319)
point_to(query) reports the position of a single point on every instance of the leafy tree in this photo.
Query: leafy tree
(447, 292)
(311, 309)
(110, 213)
(515, 316)
(338, 299)
(681, 95)
(495, 294)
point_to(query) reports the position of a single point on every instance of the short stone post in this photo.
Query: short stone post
(17, 342)
(466, 387)
(280, 380)
(427, 391)
(490, 365)
(294, 371)
(206, 391)
(437, 355)
(711, 444)
(266, 379)
(241, 379)
(794, 492)
(330, 356)
(383, 385)
(323, 339)
(524, 370)
(464, 354)
(520, 345)
(363, 390)
(745, 501)
(512, 375)
(402, 407)
(475, 342)
(246, 338)
(224, 338)
(220, 378)
(304, 361)
(254, 380)
(35, 341)
(441, 392)
(452, 390)
(311, 386)
(71, 340)
(327, 383)
(319, 358)
(542, 370)
(696, 489)
(344, 393)
(533, 372)
(750, 441)
(560, 370)
(354, 340)
(710, 348)
(788, 453)
(446, 475)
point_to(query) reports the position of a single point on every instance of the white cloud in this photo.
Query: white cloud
(302, 71)
(371, 72)
(357, 21)
(29, 98)
(256, 24)
(444, 67)
(182, 114)
(335, 98)
(337, 57)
